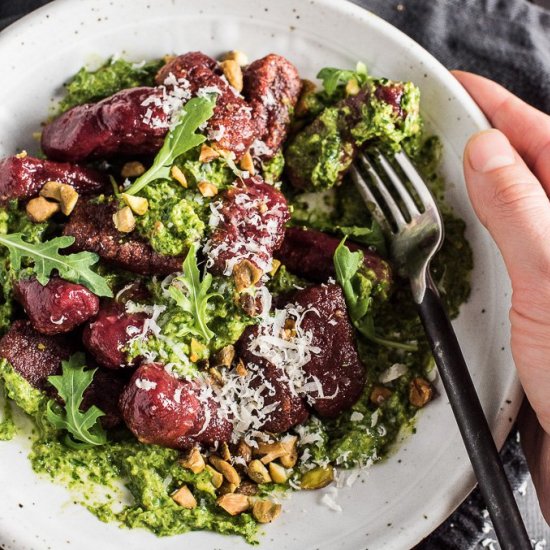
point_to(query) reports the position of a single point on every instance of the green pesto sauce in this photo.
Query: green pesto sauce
(320, 153)
(218, 171)
(272, 169)
(89, 86)
(150, 474)
(173, 221)
(7, 425)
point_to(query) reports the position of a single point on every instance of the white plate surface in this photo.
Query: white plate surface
(405, 498)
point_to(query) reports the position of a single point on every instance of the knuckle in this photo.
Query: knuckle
(513, 197)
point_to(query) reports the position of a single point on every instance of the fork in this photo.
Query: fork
(414, 228)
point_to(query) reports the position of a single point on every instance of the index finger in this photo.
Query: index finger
(527, 128)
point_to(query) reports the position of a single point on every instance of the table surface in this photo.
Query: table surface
(10, 10)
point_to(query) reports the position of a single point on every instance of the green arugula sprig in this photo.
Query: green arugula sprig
(357, 291)
(334, 78)
(193, 297)
(46, 258)
(84, 428)
(179, 140)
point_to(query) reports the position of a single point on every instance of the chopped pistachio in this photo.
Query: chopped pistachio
(258, 472)
(208, 153)
(179, 176)
(69, 198)
(52, 190)
(246, 274)
(233, 72)
(124, 220)
(420, 392)
(139, 205)
(194, 461)
(241, 369)
(265, 511)
(184, 498)
(271, 451)
(132, 169)
(62, 193)
(234, 503)
(248, 304)
(224, 357)
(226, 469)
(207, 189)
(216, 376)
(317, 478)
(380, 394)
(235, 55)
(289, 459)
(278, 473)
(40, 209)
(275, 265)
(225, 453)
(248, 488)
(285, 450)
(198, 349)
(216, 477)
(246, 163)
(244, 451)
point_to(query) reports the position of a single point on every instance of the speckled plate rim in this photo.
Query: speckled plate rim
(462, 481)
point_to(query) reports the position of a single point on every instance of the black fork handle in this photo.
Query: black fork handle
(473, 426)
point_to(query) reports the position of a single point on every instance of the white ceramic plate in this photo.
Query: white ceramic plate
(400, 501)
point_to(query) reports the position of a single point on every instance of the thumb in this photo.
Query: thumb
(512, 204)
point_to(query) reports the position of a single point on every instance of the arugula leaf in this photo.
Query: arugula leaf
(357, 290)
(179, 140)
(370, 236)
(84, 429)
(193, 297)
(333, 78)
(46, 258)
(347, 264)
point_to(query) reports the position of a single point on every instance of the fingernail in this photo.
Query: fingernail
(490, 150)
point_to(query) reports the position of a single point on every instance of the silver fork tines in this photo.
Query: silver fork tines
(415, 231)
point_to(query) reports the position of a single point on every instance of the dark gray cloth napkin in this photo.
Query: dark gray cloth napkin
(506, 40)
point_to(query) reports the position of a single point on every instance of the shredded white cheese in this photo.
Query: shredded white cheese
(393, 373)
(328, 499)
(146, 385)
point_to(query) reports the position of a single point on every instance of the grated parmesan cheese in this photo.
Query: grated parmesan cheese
(146, 385)
(328, 499)
(393, 373)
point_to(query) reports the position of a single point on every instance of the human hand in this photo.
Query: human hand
(507, 173)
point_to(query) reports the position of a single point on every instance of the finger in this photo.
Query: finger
(536, 446)
(509, 201)
(513, 206)
(527, 128)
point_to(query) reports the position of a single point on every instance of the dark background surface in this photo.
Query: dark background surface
(508, 41)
